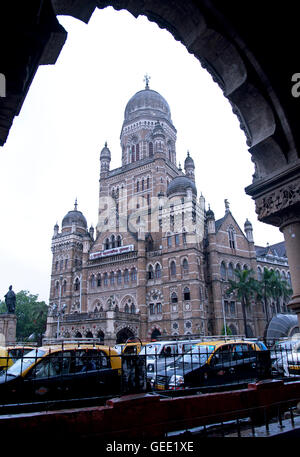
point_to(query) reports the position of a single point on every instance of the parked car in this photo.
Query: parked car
(215, 363)
(10, 354)
(56, 372)
(283, 354)
(159, 354)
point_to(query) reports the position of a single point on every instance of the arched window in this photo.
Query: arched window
(133, 275)
(133, 154)
(158, 308)
(169, 241)
(98, 280)
(185, 266)
(92, 282)
(137, 149)
(177, 241)
(174, 298)
(231, 237)
(259, 274)
(150, 149)
(186, 293)
(132, 309)
(64, 287)
(138, 186)
(77, 284)
(184, 237)
(106, 245)
(230, 271)
(157, 271)
(105, 279)
(151, 308)
(112, 278)
(143, 184)
(148, 183)
(119, 241)
(223, 270)
(126, 276)
(126, 308)
(150, 272)
(173, 268)
(113, 241)
(119, 277)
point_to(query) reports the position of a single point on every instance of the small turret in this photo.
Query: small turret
(210, 219)
(249, 231)
(56, 229)
(105, 158)
(189, 167)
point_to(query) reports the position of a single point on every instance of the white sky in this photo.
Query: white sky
(52, 152)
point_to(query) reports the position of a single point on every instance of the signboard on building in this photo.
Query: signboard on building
(112, 251)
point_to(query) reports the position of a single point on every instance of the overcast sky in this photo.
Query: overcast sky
(52, 152)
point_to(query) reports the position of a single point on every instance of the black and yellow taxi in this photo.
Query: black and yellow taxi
(10, 354)
(62, 372)
(214, 363)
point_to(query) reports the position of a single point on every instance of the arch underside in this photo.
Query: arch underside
(240, 46)
(207, 33)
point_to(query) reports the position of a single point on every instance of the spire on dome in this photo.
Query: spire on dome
(147, 79)
(75, 205)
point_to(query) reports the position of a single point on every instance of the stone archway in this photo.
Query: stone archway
(123, 335)
(225, 42)
(241, 52)
(155, 334)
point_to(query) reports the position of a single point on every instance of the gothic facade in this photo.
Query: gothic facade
(158, 262)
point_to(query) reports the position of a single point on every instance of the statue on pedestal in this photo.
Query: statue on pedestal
(10, 301)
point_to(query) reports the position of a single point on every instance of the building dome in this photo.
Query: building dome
(105, 153)
(247, 224)
(147, 102)
(210, 214)
(189, 162)
(179, 185)
(76, 217)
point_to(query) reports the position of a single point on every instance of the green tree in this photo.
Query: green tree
(272, 287)
(245, 287)
(31, 316)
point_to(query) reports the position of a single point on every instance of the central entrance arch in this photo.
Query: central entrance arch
(123, 335)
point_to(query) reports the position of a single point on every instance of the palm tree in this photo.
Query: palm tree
(266, 289)
(281, 289)
(272, 286)
(245, 287)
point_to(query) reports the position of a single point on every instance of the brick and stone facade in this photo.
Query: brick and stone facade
(158, 262)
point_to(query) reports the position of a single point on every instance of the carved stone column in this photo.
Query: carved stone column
(277, 201)
(291, 231)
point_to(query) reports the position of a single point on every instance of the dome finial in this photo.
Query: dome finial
(147, 79)
(75, 205)
(105, 144)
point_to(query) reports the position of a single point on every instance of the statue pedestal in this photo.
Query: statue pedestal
(8, 324)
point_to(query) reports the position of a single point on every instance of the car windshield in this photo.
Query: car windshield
(150, 349)
(198, 355)
(25, 362)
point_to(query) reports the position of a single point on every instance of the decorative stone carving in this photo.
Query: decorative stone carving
(279, 199)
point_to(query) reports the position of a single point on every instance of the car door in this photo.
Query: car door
(245, 362)
(220, 369)
(48, 379)
(91, 373)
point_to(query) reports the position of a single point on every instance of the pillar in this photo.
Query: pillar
(291, 232)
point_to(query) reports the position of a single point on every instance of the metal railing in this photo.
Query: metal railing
(82, 370)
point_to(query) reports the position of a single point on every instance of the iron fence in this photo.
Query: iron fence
(85, 372)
